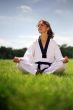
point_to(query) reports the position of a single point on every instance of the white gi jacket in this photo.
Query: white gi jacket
(33, 53)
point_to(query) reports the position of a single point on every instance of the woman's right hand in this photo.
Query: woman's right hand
(16, 59)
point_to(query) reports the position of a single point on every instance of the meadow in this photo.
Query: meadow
(22, 91)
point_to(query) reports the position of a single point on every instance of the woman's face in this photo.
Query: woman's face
(42, 28)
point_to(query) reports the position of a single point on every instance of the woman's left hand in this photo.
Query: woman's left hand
(65, 59)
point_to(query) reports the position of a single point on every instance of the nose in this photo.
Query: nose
(39, 28)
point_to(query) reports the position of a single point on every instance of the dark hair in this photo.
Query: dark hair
(50, 32)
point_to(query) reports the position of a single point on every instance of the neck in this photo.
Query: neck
(44, 37)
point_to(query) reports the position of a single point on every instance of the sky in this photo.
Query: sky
(19, 18)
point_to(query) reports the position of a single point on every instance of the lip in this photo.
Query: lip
(39, 28)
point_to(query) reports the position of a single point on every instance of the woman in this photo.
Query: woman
(44, 55)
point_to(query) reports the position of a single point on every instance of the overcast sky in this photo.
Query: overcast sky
(18, 21)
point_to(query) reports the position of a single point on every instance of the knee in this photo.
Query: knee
(61, 64)
(61, 67)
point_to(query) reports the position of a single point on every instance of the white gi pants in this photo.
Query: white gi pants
(57, 66)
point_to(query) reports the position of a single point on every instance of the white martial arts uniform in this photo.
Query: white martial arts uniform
(34, 54)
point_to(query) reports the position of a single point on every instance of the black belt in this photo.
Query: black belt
(39, 66)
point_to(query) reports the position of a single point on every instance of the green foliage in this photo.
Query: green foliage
(67, 50)
(9, 53)
(5, 52)
(19, 91)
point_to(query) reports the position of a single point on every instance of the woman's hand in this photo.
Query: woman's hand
(16, 59)
(65, 59)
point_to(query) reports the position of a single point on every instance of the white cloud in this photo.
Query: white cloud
(15, 19)
(16, 43)
(4, 42)
(36, 1)
(20, 42)
(59, 11)
(64, 40)
(63, 1)
(25, 41)
(64, 12)
(25, 8)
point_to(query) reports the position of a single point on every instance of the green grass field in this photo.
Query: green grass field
(19, 91)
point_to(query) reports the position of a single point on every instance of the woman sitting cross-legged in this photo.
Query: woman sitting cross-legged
(44, 55)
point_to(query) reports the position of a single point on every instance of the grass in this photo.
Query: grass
(19, 91)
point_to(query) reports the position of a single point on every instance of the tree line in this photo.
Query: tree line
(9, 53)
(67, 50)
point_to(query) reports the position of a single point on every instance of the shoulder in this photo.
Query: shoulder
(52, 41)
(35, 42)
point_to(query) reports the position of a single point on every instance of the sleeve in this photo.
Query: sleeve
(29, 55)
(58, 54)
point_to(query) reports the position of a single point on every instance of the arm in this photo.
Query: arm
(28, 55)
(58, 55)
